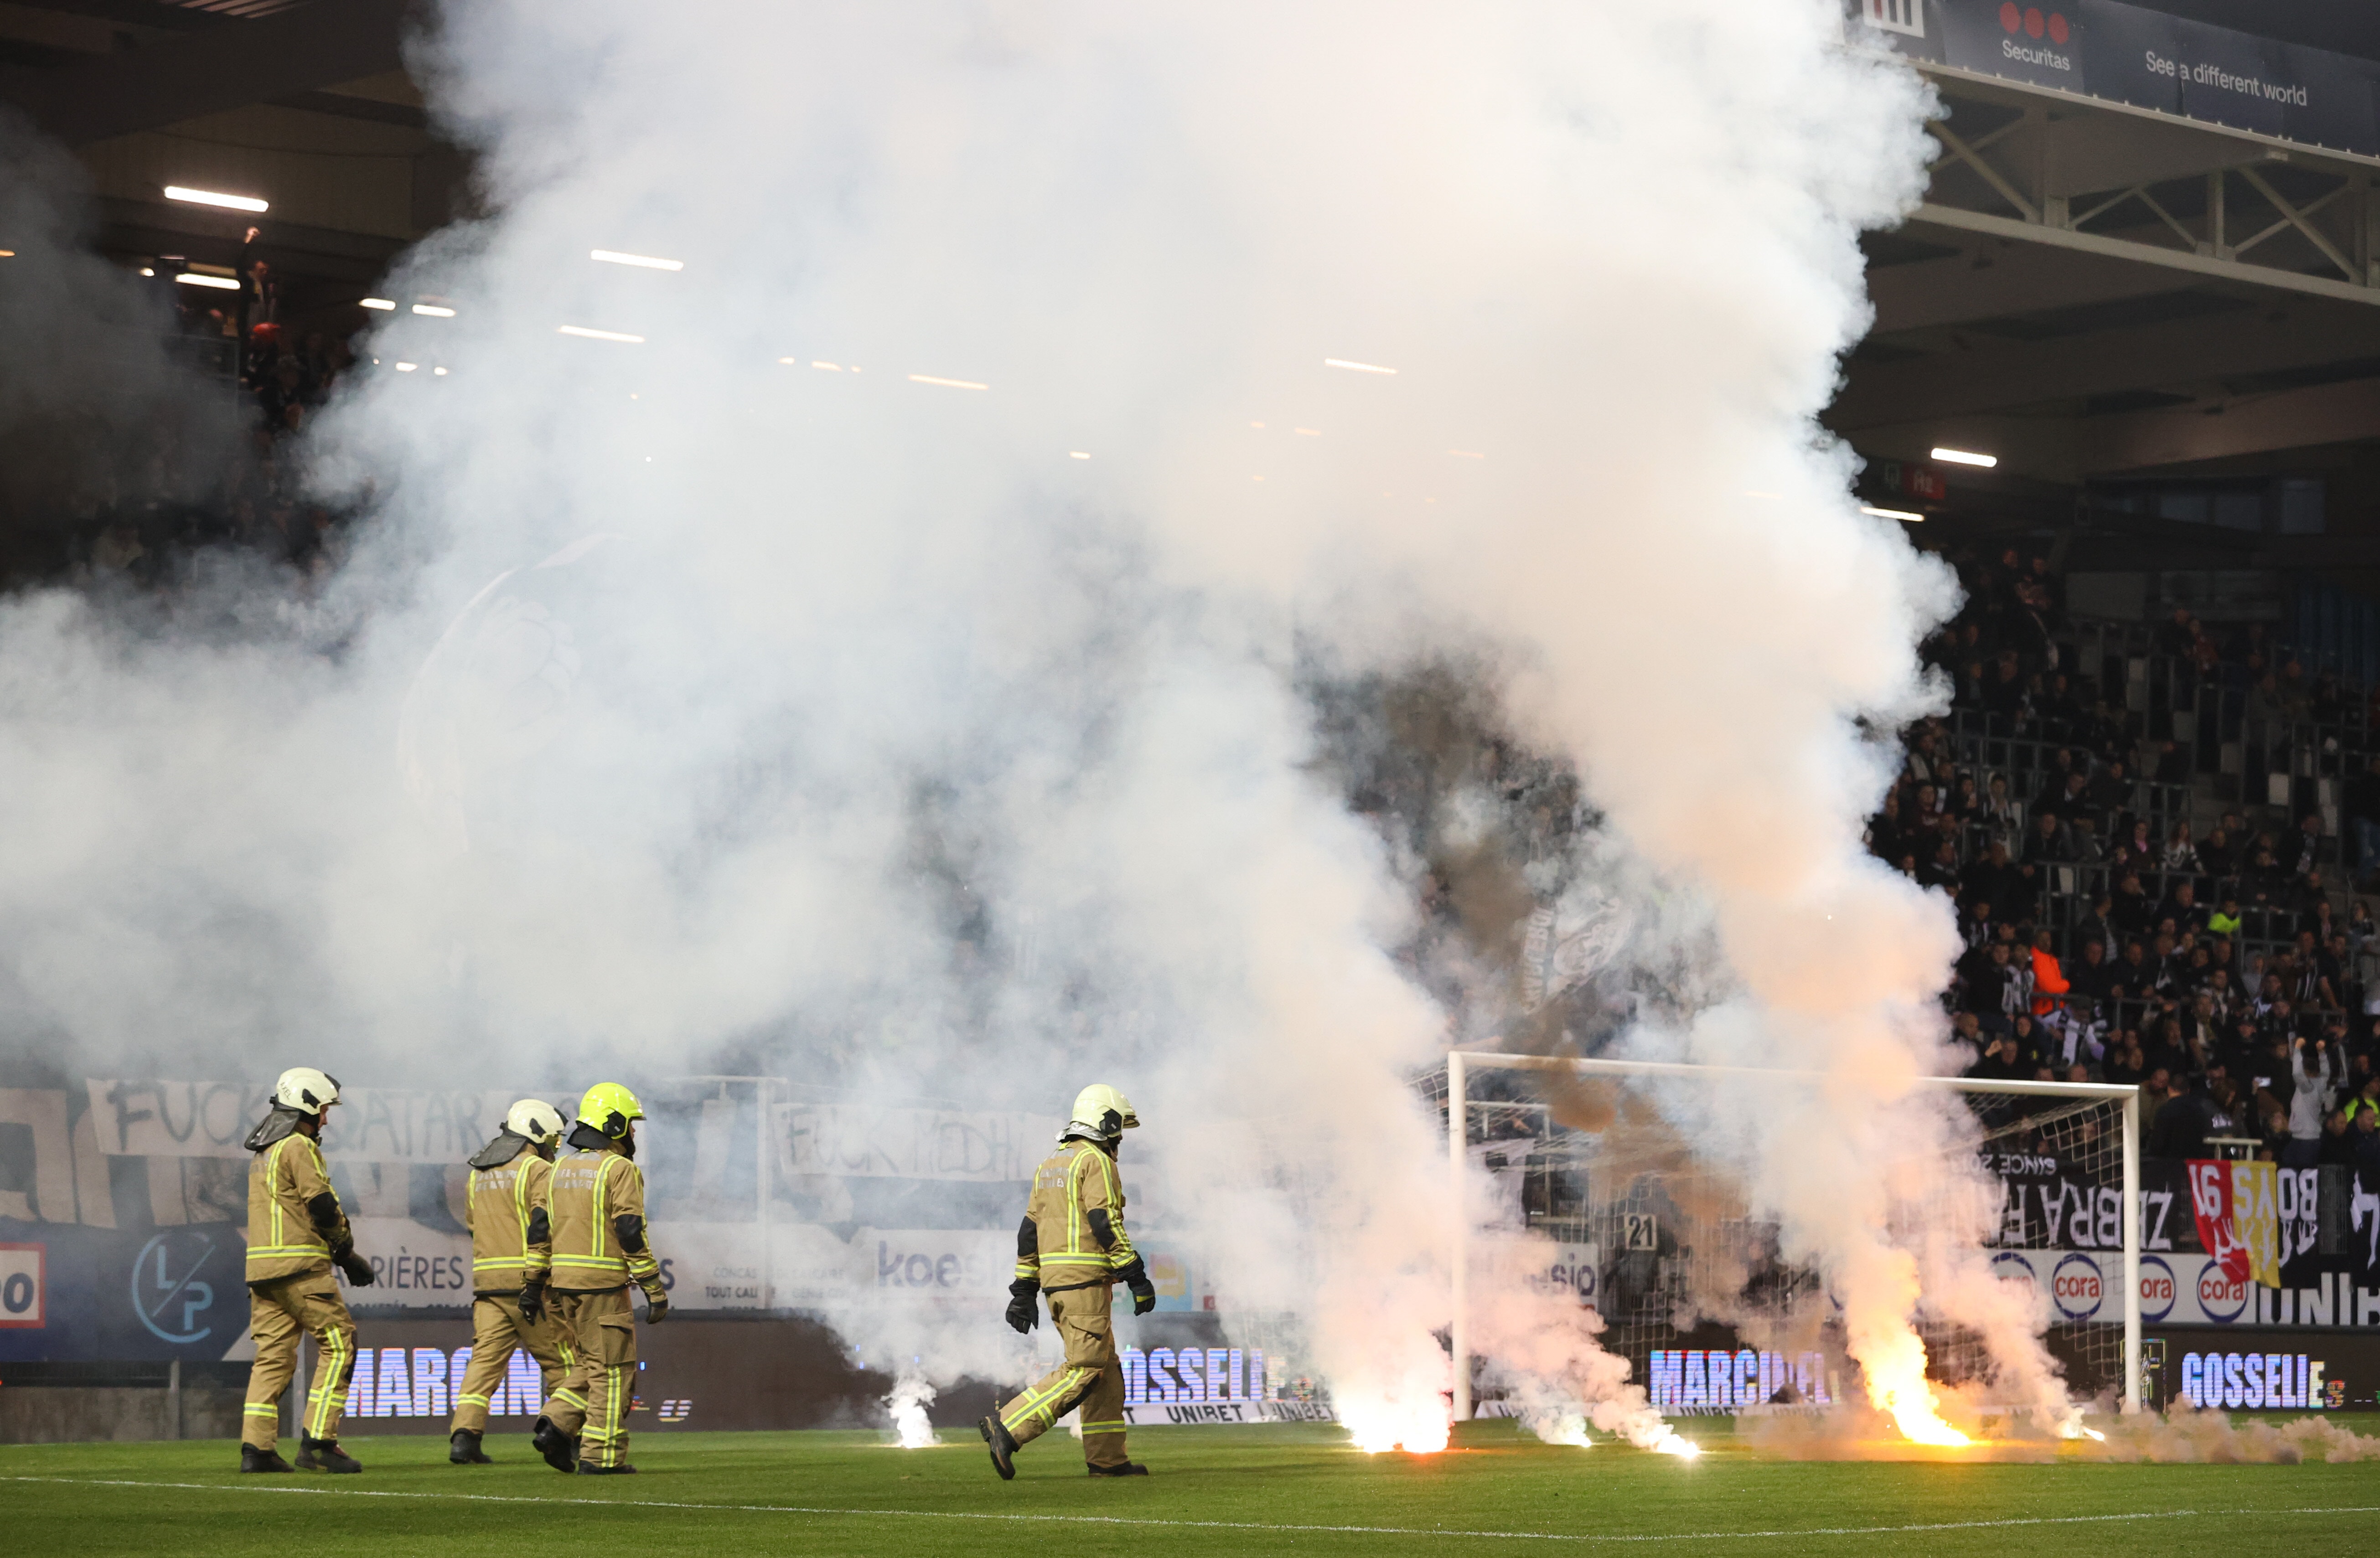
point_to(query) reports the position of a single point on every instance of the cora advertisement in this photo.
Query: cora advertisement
(2085, 1287)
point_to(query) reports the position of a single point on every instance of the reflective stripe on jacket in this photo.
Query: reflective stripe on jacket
(1065, 1248)
(282, 1182)
(510, 1215)
(590, 1194)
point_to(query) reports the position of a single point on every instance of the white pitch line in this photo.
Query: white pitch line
(1438, 1531)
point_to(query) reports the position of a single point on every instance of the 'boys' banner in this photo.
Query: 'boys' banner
(2238, 1208)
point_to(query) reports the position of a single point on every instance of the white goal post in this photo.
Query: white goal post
(1458, 1063)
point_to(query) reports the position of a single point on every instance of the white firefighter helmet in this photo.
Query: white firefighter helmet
(535, 1121)
(305, 1090)
(1101, 1113)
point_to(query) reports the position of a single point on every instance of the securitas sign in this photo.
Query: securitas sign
(2131, 54)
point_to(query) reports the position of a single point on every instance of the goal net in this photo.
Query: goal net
(1594, 1193)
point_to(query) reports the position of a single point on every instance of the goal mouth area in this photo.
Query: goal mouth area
(2093, 1127)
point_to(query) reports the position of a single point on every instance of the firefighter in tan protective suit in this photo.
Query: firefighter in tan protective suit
(511, 1251)
(598, 1198)
(297, 1232)
(1070, 1249)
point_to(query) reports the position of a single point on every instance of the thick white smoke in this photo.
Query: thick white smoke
(868, 646)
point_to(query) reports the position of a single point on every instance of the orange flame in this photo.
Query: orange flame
(1896, 1384)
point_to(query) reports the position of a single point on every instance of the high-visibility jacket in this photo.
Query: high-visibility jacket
(597, 1203)
(510, 1221)
(1073, 1235)
(294, 1216)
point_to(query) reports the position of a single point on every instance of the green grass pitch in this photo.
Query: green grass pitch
(1288, 1488)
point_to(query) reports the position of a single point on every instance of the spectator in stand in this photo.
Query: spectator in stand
(2047, 844)
(2177, 637)
(2125, 1064)
(2185, 1040)
(2134, 976)
(2137, 845)
(1966, 807)
(2173, 763)
(2091, 975)
(2264, 885)
(2184, 1123)
(2004, 694)
(2130, 908)
(2222, 991)
(2224, 922)
(2336, 1148)
(2111, 793)
(2183, 907)
(2048, 978)
(2360, 806)
(2181, 854)
(2100, 923)
(2309, 892)
(1998, 1061)
(2217, 853)
(2367, 973)
(2309, 845)
(2367, 1144)
(1942, 870)
(1997, 881)
(2000, 818)
(2311, 1082)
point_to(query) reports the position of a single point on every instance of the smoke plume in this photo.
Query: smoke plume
(871, 648)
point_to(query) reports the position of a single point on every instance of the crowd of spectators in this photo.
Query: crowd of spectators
(2230, 975)
(200, 478)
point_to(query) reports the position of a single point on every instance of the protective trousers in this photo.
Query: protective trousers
(497, 1331)
(592, 1400)
(279, 1313)
(1091, 1377)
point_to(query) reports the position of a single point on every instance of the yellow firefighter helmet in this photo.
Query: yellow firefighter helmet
(609, 1108)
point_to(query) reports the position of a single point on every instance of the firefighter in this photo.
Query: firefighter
(512, 1250)
(598, 1198)
(1071, 1248)
(297, 1232)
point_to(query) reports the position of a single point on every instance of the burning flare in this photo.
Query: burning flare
(1418, 1430)
(911, 1396)
(1896, 1384)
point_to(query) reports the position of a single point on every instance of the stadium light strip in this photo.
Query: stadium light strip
(1894, 514)
(1356, 367)
(1967, 457)
(191, 278)
(215, 198)
(434, 312)
(947, 383)
(613, 257)
(7, 254)
(382, 303)
(580, 330)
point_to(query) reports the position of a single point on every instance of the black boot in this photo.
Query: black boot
(1004, 1447)
(1129, 1469)
(561, 1451)
(588, 1468)
(253, 1459)
(463, 1448)
(324, 1454)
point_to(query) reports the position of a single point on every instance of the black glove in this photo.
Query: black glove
(359, 1270)
(532, 1300)
(1143, 1292)
(1023, 1311)
(656, 1305)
